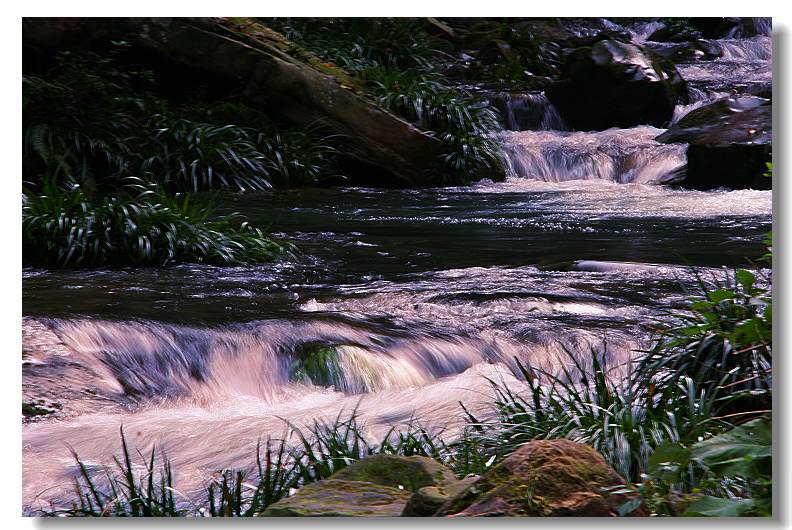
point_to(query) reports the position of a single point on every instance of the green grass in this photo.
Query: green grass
(302, 456)
(63, 227)
(722, 343)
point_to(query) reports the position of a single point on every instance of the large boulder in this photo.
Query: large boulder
(341, 498)
(616, 84)
(730, 143)
(268, 72)
(548, 478)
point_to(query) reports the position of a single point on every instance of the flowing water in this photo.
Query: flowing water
(422, 293)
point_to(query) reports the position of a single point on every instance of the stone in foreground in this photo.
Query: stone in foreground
(408, 472)
(341, 498)
(548, 478)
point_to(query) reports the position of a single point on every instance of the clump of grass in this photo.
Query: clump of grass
(466, 124)
(622, 422)
(723, 343)
(236, 494)
(63, 227)
(327, 447)
(128, 493)
(356, 44)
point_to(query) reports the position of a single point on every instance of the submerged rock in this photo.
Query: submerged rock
(548, 478)
(730, 143)
(616, 84)
(341, 498)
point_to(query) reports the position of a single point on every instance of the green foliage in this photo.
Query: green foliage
(466, 124)
(82, 122)
(233, 493)
(723, 343)
(401, 67)
(327, 447)
(63, 227)
(128, 493)
(682, 28)
(356, 44)
(593, 405)
(741, 457)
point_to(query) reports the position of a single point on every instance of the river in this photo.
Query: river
(422, 292)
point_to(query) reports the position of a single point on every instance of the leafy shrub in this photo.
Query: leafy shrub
(63, 227)
(737, 465)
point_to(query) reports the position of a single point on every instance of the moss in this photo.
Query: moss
(258, 32)
(40, 408)
(341, 498)
(543, 478)
(410, 472)
(318, 365)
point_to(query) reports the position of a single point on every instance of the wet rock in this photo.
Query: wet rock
(615, 84)
(428, 500)
(341, 498)
(730, 143)
(410, 473)
(714, 27)
(548, 478)
(686, 52)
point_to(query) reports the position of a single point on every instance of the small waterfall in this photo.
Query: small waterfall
(531, 111)
(616, 155)
(742, 50)
(152, 361)
(751, 27)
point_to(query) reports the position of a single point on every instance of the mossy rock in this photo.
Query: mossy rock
(341, 498)
(318, 364)
(428, 500)
(409, 472)
(547, 478)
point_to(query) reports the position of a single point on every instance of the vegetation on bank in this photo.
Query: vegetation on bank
(689, 427)
(139, 225)
(111, 168)
(96, 119)
(401, 66)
